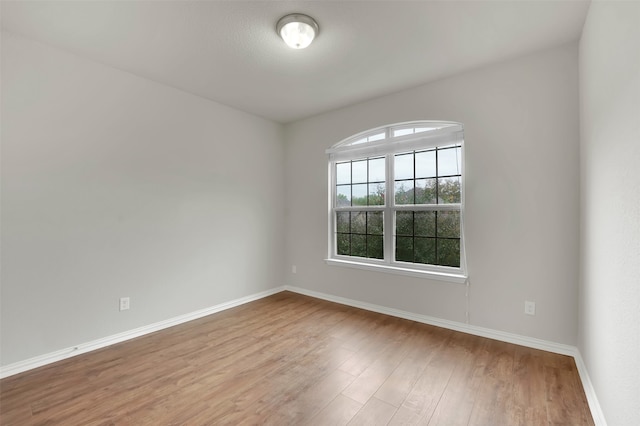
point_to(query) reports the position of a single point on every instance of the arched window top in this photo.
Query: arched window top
(395, 137)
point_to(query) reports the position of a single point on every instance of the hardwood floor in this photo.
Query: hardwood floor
(294, 360)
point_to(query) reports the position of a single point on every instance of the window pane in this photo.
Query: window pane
(449, 224)
(449, 190)
(376, 170)
(403, 166)
(425, 224)
(426, 164)
(359, 195)
(449, 161)
(376, 194)
(404, 192)
(375, 246)
(359, 171)
(377, 137)
(404, 223)
(343, 195)
(358, 245)
(404, 249)
(425, 250)
(342, 221)
(344, 244)
(426, 191)
(358, 223)
(375, 223)
(402, 132)
(449, 252)
(360, 234)
(343, 173)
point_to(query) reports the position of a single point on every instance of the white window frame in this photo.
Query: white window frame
(358, 147)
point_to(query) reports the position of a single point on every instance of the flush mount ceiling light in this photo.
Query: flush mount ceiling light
(297, 30)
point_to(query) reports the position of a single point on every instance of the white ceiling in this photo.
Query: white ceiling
(228, 51)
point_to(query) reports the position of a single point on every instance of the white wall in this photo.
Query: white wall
(112, 186)
(521, 133)
(610, 206)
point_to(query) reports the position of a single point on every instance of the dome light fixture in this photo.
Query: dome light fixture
(297, 30)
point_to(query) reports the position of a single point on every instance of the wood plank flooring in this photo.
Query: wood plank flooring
(294, 360)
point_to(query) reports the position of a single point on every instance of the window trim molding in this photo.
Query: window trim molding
(444, 133)
(453, 133)
(398, 270)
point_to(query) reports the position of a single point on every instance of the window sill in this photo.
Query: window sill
(418, 273)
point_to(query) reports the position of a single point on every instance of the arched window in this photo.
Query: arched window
(397, 200)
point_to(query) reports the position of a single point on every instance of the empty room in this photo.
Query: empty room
(320, 212)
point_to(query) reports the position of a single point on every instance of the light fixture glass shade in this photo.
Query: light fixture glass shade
(297, 30)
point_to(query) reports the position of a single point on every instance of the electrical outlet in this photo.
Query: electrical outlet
(294, 269)
(125, 303)
(529, 307)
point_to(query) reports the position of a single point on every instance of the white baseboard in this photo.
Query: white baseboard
(590, 392)
(517, 339)
(41, 360)
(451, 325)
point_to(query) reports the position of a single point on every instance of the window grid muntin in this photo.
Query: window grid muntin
(436, 237)
(368, 183)
(415, 178)
(366, 234)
